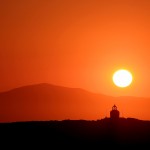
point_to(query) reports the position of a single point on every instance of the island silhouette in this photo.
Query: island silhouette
(105, 133)
(35, 114)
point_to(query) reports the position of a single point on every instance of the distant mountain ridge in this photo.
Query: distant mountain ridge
(50, 102)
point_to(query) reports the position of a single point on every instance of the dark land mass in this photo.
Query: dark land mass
(23, 106)
(106, 133)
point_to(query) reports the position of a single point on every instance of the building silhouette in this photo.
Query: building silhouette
(114, 113)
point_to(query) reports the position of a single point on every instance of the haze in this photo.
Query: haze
(77, 43)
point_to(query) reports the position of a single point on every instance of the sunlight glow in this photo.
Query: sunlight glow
(122, 78)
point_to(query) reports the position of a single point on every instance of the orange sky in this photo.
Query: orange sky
(75, 43)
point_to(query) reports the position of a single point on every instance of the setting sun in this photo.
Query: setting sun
(122, 78)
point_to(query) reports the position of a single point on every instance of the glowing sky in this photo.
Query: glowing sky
(75, 43)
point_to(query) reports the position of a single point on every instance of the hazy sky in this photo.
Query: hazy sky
(75, 43)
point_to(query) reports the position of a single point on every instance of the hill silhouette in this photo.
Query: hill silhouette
(104, 133)
(27, 107)
(49, 102)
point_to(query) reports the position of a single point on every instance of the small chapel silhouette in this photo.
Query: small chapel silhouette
(114, 113)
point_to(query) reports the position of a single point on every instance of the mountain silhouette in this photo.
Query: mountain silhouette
(71, 111)
(50, 102)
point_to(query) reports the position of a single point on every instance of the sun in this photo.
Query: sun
(122, 78)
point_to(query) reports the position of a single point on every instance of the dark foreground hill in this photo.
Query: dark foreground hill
(101, 133)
